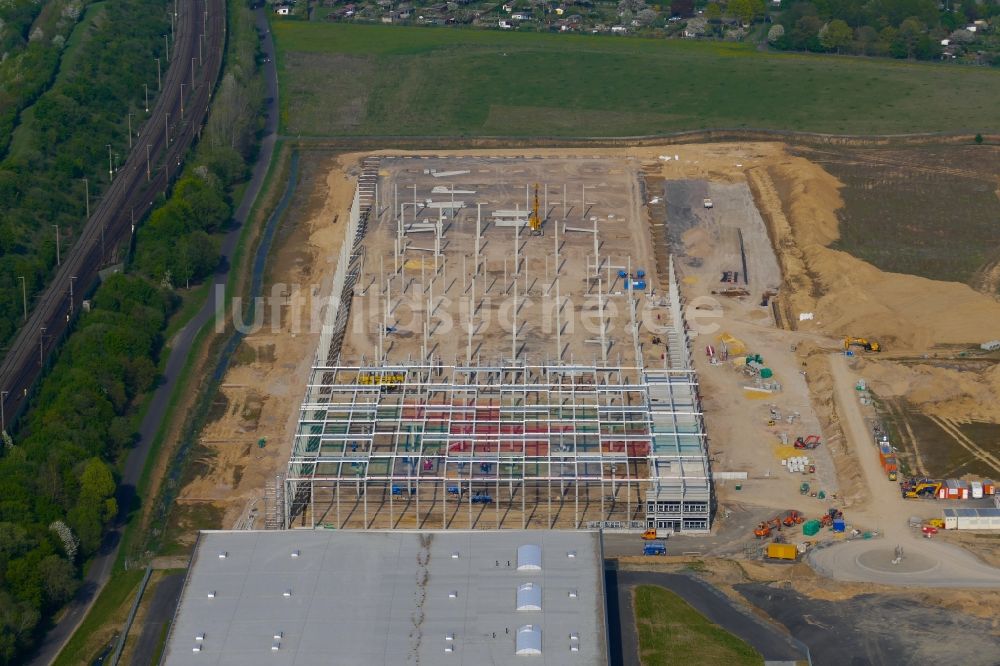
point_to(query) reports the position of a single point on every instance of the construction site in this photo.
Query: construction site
(494, 340)
(500, 360)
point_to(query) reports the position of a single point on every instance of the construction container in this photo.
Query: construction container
(972, 519)
(890, 464)
(954, 489)
(811, 528)
(782, 551)
(766, 373)
(839, 525)
(989, 487)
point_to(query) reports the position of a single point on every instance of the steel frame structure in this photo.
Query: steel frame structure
(420, 444)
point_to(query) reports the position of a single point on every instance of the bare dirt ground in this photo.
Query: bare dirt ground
(261, 393)
(797, 201)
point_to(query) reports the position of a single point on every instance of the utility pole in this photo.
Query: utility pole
(182, 101)
(145, 87)
(201, 39)
(130, 131)
(166, 43)
(58, 259)
(86, 195)
(166, 129)
(24, 296)
(192, 72)
(149, 175)
(41, 348)
(3, 416)
(72, 304)
(111, 173)
(159, 79)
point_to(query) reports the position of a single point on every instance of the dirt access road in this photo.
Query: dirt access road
(926, 562)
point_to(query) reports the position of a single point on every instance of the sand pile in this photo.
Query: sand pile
(848, 296)
(960, 395)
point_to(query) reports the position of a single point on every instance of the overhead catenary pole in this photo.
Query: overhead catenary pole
(159, 79)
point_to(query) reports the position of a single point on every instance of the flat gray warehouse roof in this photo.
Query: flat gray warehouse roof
(307, 597)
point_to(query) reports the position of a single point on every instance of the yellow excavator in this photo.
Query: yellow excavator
(864, 343)
(534, 219)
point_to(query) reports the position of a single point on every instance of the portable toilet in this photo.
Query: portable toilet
(839, 525)
(811, 528)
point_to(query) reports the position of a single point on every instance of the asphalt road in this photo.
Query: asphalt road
(160, 613)
(876, 629)
(99, 571)
(771, 642)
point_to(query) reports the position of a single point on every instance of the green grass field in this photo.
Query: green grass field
(672, 632)
(340, 79)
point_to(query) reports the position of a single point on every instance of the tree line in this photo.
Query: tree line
(58, 478)
(896, 28)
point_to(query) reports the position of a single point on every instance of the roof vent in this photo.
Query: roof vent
(196, 648)
(574, 648)
(529, 557)
(573, 594)
(211, 595)
(275, 646)
(296, 552)
(529, 640)
(449, 637)
(571, 554)
(529, 597)
(454, 555)
(574, 636)
(278, 635)
(200, 637)
(453, 594)
(288, 592)
(223, 555)
(449, 648)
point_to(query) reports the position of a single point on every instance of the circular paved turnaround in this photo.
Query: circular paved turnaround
(880, 560)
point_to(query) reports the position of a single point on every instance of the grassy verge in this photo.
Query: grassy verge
(672, 632)
(342, 79)
(109, 610)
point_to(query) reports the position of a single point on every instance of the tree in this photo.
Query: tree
(646, 16)
(979, 139)
(835, 35)
(682, 8)
(776, 32)
(805, 34)
(908, 38)
(741, 10)
(713, 12)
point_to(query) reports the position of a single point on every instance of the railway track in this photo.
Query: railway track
(172, 125)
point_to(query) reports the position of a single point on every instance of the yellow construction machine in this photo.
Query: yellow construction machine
(867, 345)
(920, 488)
(534, 219)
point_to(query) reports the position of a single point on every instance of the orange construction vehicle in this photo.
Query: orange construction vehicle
(765, 528)
(649, 535)
(793, 518)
